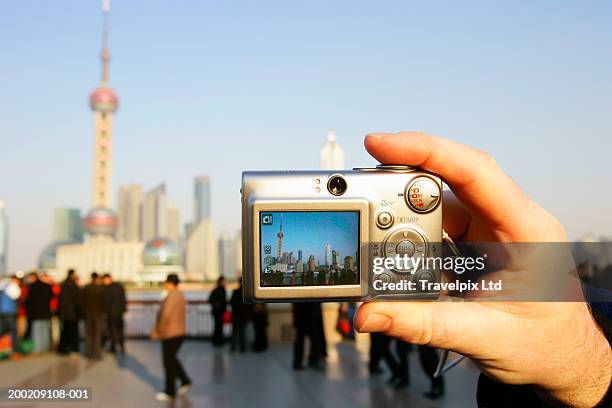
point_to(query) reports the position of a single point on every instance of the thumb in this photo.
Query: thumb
(448, 325)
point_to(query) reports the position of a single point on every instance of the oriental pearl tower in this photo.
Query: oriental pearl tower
(101, 221)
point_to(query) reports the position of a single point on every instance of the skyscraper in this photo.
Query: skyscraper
(238, 253)
(332, 155)
(154, 214)
(3, 239)
(227, 260)
(201, 208)
(336, 258)
(101, 222)
(130, 201)
(201, 250)
(67, 225)
(328, 254)
(173, 223)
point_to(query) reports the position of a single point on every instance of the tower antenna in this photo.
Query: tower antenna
(105, 54)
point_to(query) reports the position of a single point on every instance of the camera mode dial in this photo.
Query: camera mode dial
(422, 194)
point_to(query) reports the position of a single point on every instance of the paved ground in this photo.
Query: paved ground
(222, 379)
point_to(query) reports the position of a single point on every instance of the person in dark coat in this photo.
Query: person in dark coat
(38, 306)
(380, 349)
(306, 320)
(218, 302)
(116, 306)
(69, 314)
(93, 300)
(260, 325)
(240, 318)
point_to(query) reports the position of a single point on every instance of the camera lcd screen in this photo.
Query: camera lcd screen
(309, 248)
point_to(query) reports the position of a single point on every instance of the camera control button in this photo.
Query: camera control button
(405, 248)
(423, 194)
(385, 277)
(384, 219)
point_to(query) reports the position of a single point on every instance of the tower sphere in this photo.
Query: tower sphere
(100, 221)
(104, 99)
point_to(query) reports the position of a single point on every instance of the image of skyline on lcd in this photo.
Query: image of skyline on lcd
(309, 248)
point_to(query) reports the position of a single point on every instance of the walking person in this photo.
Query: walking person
(69, 313)
(170, 328)
(260, 326)
(380, 349)
(306, 322)
(240, 316)
(38, 306)
(218, 302)
(93, 299)
(428, 356)
(402, 379)
(116, 306)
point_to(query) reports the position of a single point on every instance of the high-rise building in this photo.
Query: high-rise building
(130, 201)
(3, 240)
(336, 259)
(238, 253)
(332, 155)
(328, 254)
(299, 255)
(227, 259)
(67, 225)
(155, 214)
(201, 208)
(349, 263)
(173, 224)
(201, 255)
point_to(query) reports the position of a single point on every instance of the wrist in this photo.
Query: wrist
(589, 371)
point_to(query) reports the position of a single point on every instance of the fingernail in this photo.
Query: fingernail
(376, 136)
(375, 323)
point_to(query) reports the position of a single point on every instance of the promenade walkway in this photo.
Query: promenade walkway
(222, 379)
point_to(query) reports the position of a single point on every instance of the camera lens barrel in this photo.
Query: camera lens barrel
(337, 185)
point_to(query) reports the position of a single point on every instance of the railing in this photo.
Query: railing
(141, 315)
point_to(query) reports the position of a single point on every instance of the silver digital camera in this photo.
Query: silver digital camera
(341, 235)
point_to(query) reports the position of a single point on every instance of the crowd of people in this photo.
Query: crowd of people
(240, 316)
(308, 324)
(34, 308)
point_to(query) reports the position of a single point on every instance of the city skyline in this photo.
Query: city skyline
(235, 90)
(310, 231)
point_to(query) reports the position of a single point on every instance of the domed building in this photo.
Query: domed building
(47, 260)
(160, 257)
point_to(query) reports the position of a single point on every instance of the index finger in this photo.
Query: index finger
(475, 178)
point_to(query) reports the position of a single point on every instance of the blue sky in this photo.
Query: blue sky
(218, 87)
(309, 231)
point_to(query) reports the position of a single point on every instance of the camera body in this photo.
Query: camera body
(325, 235)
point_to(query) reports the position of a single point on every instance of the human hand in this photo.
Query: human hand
(555, 346)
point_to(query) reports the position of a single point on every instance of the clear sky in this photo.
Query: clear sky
(215, 87)
(310, 231)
